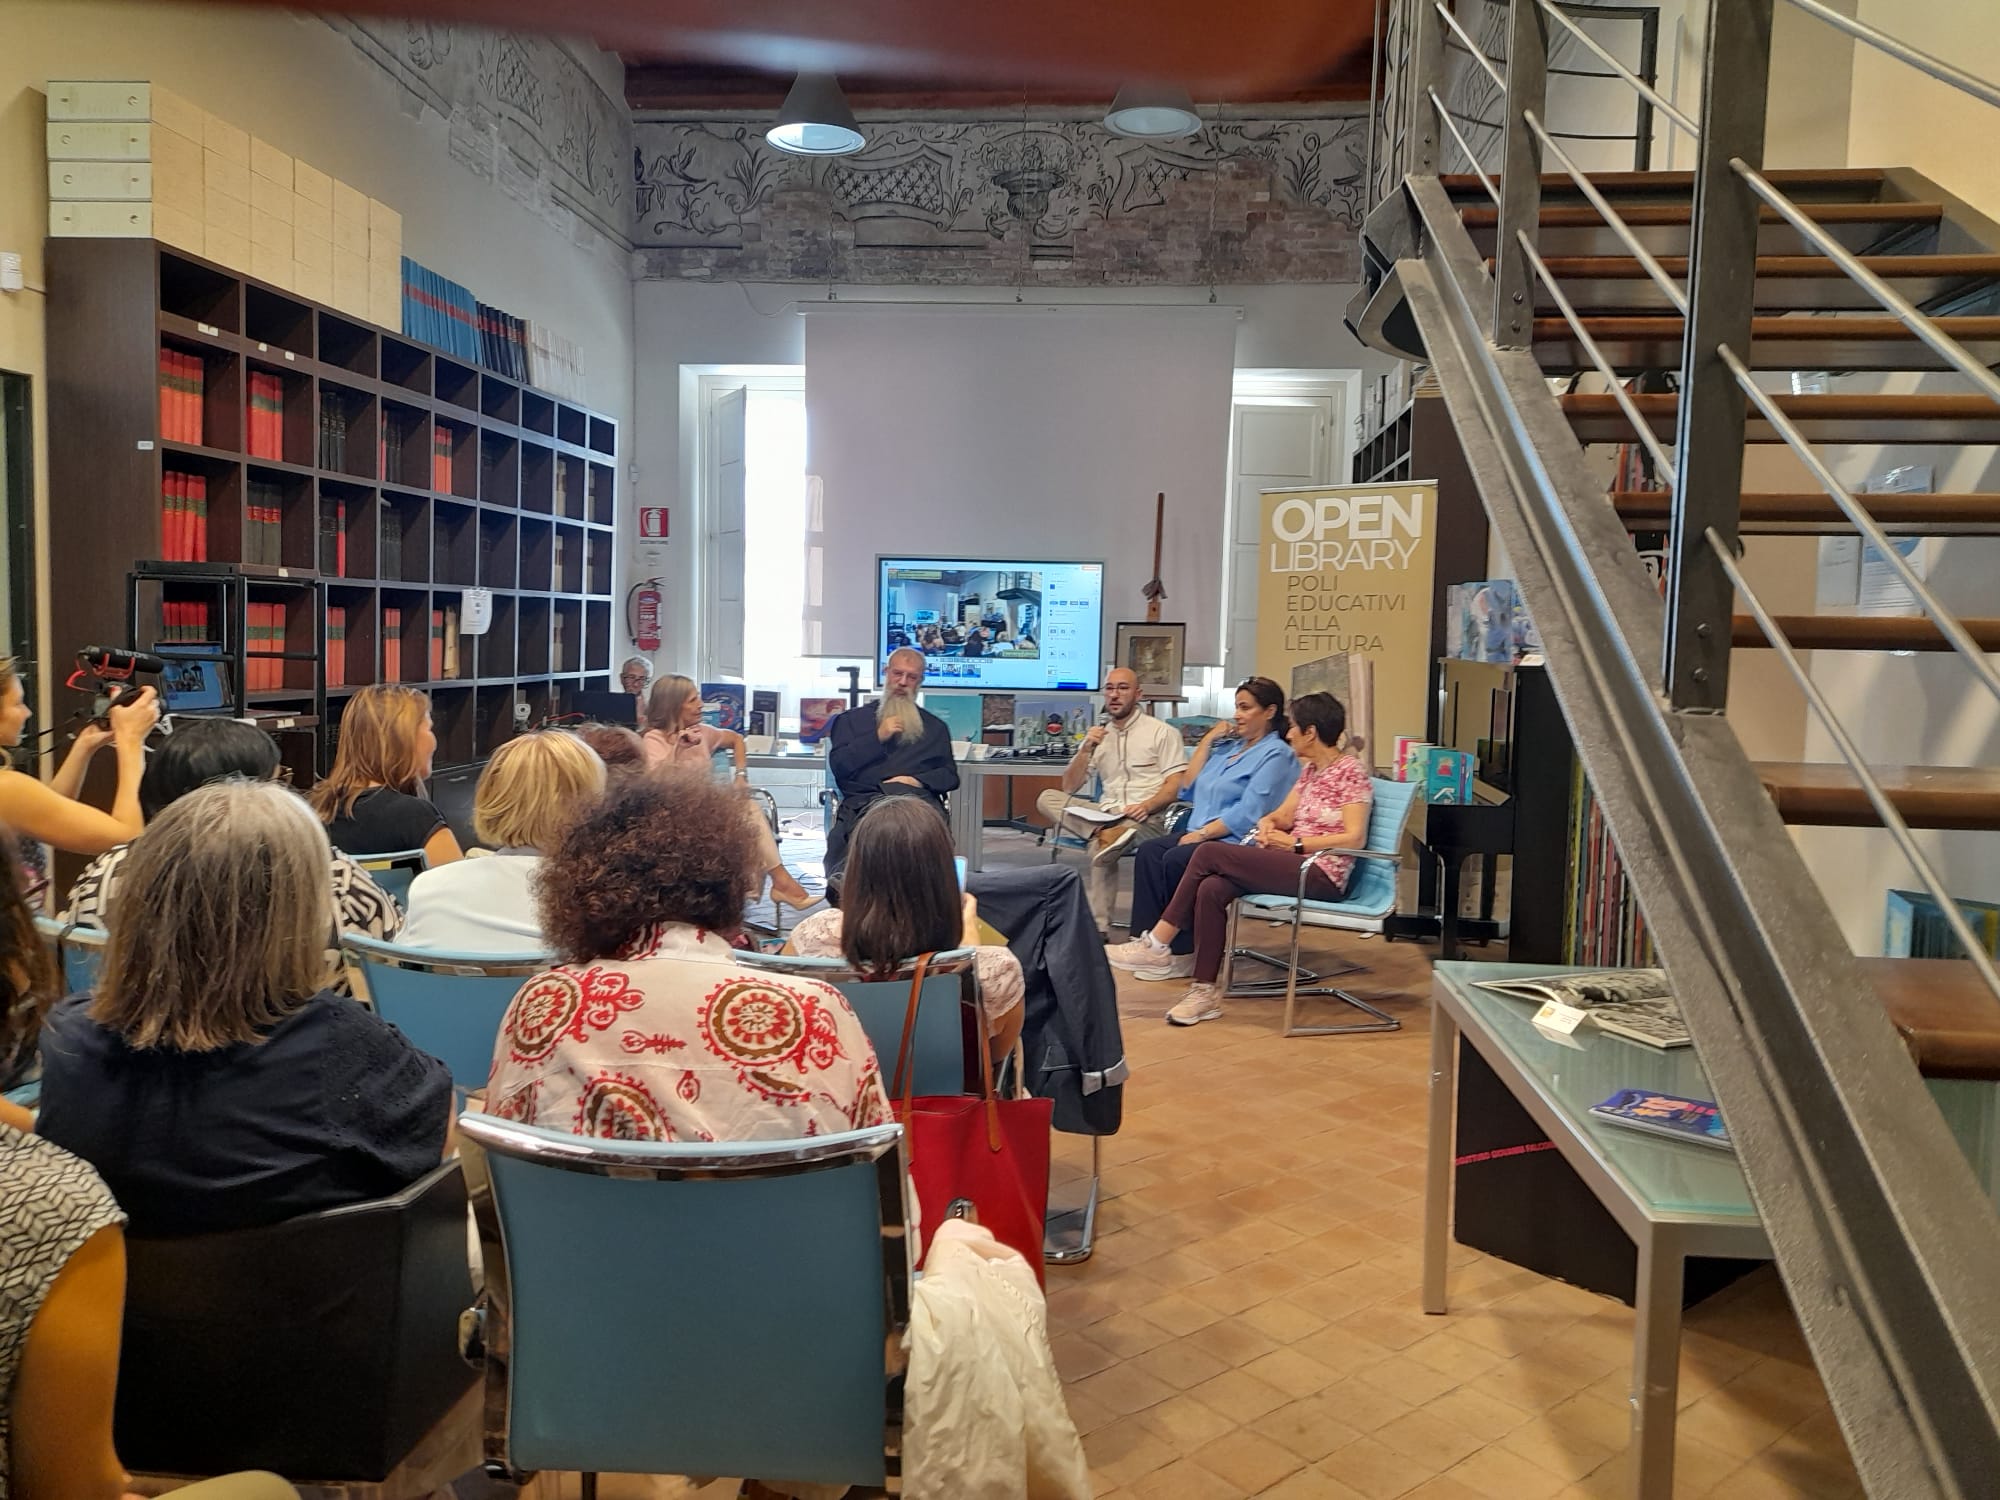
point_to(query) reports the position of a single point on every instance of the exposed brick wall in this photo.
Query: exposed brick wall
(1062, 204)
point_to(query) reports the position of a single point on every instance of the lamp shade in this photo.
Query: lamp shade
(814, 120)
(1152, 111)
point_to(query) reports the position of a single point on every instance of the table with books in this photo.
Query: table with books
(1628, 1118)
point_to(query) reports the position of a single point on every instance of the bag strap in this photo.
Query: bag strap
(993, 1138)
(903, 1083)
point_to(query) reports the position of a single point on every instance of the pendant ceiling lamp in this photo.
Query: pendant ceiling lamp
(814, 120)
(1152, 112)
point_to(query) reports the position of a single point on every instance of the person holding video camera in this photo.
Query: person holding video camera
(50, 812)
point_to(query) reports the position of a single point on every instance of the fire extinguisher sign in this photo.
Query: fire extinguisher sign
(652, 523)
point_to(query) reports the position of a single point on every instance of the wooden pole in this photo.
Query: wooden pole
(1155, 590)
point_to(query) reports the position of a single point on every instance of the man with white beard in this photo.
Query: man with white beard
(889, 748)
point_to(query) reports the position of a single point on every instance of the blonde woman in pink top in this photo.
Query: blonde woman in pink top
(676, 740)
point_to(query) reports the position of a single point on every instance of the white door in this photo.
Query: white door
(1274, 442)
(725, 537)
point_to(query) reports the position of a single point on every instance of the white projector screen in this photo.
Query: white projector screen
(1038, 433)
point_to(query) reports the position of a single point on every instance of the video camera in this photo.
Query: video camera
(109, 671)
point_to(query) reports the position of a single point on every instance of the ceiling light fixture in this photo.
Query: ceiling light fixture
(1152, 112)
(814, 120)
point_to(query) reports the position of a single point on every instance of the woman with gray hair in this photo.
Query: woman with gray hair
(215, 1080)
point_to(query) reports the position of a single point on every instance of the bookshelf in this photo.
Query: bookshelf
(386, 474)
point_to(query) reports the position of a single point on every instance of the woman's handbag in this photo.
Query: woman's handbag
(991, 1151)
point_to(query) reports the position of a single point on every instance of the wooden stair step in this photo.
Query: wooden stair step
(1785, 283)
(1801, 184)
(1863, 632)
(1812, 513)
(1945, 1014)
(1827, 795)
(1570, 229)
(1797, 343)
(1962, 419)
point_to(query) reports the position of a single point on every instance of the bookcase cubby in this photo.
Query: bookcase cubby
(300, 445)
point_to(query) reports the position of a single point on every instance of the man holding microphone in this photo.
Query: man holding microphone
(1137, 762)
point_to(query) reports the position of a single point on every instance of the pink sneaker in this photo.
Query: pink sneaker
(1140, 953)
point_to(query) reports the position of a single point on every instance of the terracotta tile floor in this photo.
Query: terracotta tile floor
(1249, 1324)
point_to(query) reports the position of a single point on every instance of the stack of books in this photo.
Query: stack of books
(183, 517)
(264, 673)
(440, 312)
(264, 524)
(184, 622)
(333, 538)
(264, 415)
(336, 644)
(392, 643)
(183, 383)
(332, 432)
(441, 444)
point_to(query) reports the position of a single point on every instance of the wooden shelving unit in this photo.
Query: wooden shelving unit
(437, 475)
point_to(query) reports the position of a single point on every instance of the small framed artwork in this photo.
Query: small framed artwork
(1156, 652)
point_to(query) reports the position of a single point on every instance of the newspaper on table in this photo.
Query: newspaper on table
(1636, 1004)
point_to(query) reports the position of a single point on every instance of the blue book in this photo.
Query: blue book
(726, 705)
(1670, 1115)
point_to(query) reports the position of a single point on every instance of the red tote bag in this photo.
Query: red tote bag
(992, 1151)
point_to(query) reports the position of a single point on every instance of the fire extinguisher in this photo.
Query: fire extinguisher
(642, 614)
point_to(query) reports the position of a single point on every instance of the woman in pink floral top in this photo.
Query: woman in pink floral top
(1326, 812)
(648, 1029)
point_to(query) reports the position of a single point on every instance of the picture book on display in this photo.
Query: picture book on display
(1632, 1003)
(1669, 1115)
(816, 716)
(962, 713)
(763, 712)
(725, 705)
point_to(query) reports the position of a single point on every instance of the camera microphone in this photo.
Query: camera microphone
(118, 664)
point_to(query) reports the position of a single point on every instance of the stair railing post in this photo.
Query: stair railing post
(1426, 72)
(1521, 174)
(1722, 267)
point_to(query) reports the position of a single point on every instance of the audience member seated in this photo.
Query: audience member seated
(198, 752)
(29, 984)
(215, 1081)
(677, 740)
(619, 748)
(49, 812)
(635, 676)
(531, 789)
(900, 898)
(1139, 763)
(1241, 770)
(372, 801)
(648, 1030)
(1326, 812)
(62, 1305)
(889, 748)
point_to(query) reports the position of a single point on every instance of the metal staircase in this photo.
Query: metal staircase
(1526, 268)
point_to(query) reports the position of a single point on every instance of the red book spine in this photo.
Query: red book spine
(197, 394)
(197, 538)
(181, 487)
(183, 397)
(167, 394)
(392, 644)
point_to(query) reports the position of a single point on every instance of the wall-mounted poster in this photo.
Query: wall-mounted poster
(1156, 652)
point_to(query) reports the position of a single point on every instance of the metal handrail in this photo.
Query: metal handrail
(1618, 69)
(1858, 763)
(1907, 312)
(1640, 425)
(1470, 45)
(1471, 156)
(1923, 62)
(1948, 623)
(1619, 227)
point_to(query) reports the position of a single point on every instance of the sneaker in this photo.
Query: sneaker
(1141, 953)
(1202, 1002)
(1112, 845)
(1176, 966)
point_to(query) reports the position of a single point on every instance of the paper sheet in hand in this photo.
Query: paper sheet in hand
(1084, 813)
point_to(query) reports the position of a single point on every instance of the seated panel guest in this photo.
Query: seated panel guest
(531, 790)
(1326, 812)
(1139, 762)
(888, 748)
(1241, 770)
(900, 898)
(201, 751)
(648, 1029)
(373, 801)
(214, 1081)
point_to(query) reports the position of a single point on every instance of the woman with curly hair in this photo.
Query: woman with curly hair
(647, 1029)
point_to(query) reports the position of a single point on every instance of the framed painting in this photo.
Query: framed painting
(1156, 652)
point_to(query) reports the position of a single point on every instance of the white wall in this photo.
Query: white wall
(680, 326)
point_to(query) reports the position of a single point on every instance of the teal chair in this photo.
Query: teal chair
(947, 1053)
(448, 1004)
(734, 1308)
(78, 951)
(1369, 903)
(394, 871)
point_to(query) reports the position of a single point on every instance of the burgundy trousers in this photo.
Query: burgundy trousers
(1216, 876)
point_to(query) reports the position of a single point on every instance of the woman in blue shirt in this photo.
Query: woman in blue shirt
(1242, 770)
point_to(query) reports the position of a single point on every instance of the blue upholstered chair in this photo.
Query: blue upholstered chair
(448, 1004)
(1367, 906)
(947, 1055)
(394, 871)
(732, 1308)
(77, 950)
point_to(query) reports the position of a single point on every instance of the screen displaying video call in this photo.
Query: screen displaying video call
(1003, 626)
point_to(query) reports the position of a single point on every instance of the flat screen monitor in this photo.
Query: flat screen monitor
(1005, 626)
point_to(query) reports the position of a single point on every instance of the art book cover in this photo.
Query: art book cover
(996, 711)
(763, 712)
(1670, 1115)
(816, 716)
(1408, 749)
(726, 705)
(963, 714)
(1481, 621)
(1445, 774)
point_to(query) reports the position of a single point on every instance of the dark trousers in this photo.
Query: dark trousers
(1156, 869)
(1216, 876)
